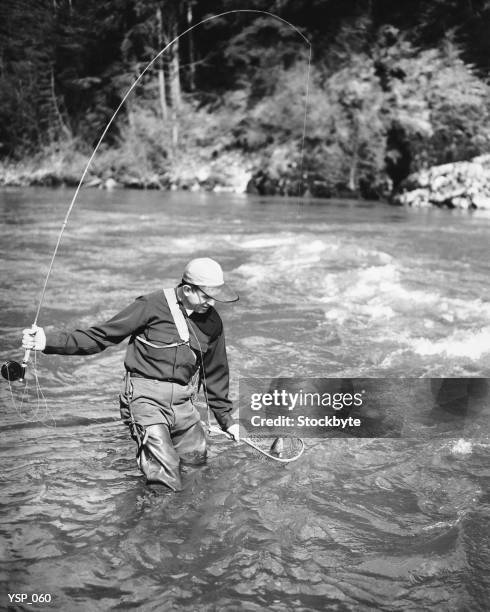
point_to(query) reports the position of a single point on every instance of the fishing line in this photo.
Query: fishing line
(25, 360)
(305, 118)
(25, 397)
(121, 104)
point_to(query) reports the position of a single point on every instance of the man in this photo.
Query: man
(176, 341)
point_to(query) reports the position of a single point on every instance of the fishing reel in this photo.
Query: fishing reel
(13, 370)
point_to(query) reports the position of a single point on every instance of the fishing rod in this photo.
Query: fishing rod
(12, 370)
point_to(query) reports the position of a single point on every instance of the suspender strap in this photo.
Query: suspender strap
(177, 314)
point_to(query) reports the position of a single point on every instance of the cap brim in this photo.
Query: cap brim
(223, 293)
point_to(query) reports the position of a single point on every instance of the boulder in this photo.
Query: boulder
(110, 184)
(464, 184)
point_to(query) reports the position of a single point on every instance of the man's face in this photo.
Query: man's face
(195, 299)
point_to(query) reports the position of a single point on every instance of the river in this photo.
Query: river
(328, 289)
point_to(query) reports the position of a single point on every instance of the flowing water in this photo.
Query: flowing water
(328, 289)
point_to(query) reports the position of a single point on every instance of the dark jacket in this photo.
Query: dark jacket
(149, 317)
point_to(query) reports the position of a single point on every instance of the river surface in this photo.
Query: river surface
(328, 289)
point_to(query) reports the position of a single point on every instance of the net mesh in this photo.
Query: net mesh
(280, 449)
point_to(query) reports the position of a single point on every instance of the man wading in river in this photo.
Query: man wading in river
(176, 340)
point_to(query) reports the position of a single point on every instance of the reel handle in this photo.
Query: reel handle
(23, 365)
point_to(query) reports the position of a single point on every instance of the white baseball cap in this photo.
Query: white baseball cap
(207, 274)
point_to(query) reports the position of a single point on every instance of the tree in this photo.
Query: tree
(30, 112)
(434, 102)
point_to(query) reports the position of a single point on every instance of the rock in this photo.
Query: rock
(415, 197)
(464, 184)
(482, 201)
(227, 173)
(110, 184)
(483, 160)
(43, 178)
(95, 182)
(150, 181)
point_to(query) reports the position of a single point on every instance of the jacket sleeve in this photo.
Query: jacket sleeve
(216, 381)
(99, 337)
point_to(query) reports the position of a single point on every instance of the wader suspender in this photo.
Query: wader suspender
(177, 314)
(183, 331)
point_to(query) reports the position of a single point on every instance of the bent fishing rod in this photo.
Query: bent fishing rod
(14, 371)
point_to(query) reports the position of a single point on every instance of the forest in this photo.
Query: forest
(393, 87)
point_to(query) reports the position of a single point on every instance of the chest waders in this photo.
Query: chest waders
(158, 450)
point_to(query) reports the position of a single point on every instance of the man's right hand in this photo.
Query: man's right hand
(34, 338)
(234, 431)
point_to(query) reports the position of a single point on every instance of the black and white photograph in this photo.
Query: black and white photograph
(245, 306)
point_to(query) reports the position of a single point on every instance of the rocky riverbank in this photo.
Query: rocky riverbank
(464, 184)
(231, 173)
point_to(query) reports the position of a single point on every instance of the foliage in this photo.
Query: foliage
(436, 102)
(394, 87)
